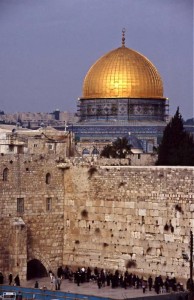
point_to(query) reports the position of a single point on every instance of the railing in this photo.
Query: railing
(44, 294)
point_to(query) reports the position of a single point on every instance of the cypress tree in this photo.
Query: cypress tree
(177, 145)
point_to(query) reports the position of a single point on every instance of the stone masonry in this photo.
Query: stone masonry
(113, 217)
(35, 233)
(123, 216)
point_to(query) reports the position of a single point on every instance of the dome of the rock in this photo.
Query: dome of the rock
(122, 73)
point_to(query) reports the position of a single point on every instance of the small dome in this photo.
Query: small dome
(134, 142)
(122, 73)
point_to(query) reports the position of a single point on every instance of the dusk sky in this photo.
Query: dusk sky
(47, 47)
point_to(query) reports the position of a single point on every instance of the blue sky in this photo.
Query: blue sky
(47, 47)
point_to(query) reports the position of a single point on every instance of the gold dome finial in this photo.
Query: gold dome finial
(123, 37)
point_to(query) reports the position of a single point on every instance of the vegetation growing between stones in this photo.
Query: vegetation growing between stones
(148, 250)
(91, 171)
(97, 230)
(178, 208)
(121, 184)
(84, 213)
(167, 227)
(131, 264)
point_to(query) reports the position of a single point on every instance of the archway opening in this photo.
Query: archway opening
(35, 269)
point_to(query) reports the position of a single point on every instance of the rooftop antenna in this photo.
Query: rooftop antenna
(123, 37)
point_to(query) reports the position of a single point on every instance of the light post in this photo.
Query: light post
(191, 294)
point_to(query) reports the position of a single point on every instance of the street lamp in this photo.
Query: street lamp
(191, 294)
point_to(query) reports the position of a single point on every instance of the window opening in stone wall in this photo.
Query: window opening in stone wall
(11, 148)
(48, 178)
(48, 204)
(50, 146)
(20, 205)
(5, 174)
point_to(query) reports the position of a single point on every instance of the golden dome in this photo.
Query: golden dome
(122, 73)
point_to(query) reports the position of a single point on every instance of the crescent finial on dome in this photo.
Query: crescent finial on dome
(123, 37)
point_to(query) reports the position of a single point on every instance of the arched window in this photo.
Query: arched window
(85, 151)
(48, 178)
(5, 174)
(95, 151)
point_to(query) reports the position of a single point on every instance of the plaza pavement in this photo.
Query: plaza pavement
(91, 288)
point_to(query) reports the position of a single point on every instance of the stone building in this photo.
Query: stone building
(41, 141)
(79, 214)
(36, 119)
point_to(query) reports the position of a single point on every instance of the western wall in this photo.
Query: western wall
(112, 217)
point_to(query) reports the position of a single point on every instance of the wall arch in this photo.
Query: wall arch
(36, 255)
(36, 269)
(5, 174)
(95, 151)
(48, 178)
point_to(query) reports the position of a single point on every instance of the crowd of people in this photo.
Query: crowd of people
(12, 280)
(115, 279)
(104, 278)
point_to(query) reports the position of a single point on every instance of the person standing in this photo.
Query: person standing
(150, 283)
(99, 282)
(10, 278)
(17, 280)
(1, 278)
(59, 283)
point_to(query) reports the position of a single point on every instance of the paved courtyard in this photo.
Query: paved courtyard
(91, 288)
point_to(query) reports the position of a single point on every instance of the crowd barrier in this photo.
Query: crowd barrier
(44, 294)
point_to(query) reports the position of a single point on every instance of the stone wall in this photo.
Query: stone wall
(111, 217)
(129, 216)
(44, 228)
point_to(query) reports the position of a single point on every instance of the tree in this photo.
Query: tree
(120, 148)
(107, 151)
(177, 145)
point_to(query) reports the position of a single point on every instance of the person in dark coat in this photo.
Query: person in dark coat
(108, 279)
(150, 283)
(1, 278)
(10, 278)
(17, 280)
(99, 282)
(60, 272)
